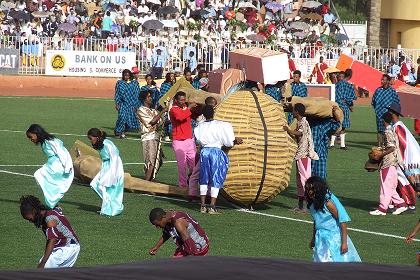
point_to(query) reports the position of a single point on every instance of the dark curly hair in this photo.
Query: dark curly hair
(101, 135)
(156, 214)
(316, 192)
(30, 204)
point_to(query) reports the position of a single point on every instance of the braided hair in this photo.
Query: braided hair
(316, 192)
(30, 204)
(100, 135)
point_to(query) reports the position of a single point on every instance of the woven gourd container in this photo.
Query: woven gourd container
(259, 168)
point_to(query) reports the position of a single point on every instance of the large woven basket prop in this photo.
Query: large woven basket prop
(259, 168)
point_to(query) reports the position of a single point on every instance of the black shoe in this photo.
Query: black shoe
(411, 210)
(390, 210)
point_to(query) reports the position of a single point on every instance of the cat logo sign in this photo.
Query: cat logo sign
(57, 62)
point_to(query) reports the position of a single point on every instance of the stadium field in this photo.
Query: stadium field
(271, 230)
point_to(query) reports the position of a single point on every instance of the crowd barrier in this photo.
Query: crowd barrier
(37, 56)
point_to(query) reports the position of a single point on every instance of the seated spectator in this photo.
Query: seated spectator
(412, 77)
(112, 43)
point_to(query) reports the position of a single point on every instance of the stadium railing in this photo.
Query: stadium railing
(213, 54)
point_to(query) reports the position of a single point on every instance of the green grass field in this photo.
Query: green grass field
(128, 237)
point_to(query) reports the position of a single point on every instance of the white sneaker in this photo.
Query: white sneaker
(399, 210)
(377, 213)
(167, 139)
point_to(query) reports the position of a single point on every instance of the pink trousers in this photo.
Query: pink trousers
(388, 194)
(185, 156)
(193, 182)
(303, 172)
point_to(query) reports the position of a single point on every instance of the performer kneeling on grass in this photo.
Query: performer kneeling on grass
(214, 163)
(190, 238)
(62, 248)
(56, 176)
(109, 182)
(330, 242)
(304, 154)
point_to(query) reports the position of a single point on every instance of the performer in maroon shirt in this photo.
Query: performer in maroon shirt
(183, 141)
(62, 248)
(190, 238)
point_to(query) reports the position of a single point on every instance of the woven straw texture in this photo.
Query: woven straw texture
(246, 168)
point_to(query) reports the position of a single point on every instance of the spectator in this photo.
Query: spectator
(192, 62)
(412, 77)
(106, 25)
(394, 69)
(158, 62)
(112, 42)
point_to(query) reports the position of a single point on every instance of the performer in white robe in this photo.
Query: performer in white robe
(109, 182)
(212, 135)
(56, 176)
(409, 152)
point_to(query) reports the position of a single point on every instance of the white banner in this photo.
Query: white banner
(91, 64)
(306, 65)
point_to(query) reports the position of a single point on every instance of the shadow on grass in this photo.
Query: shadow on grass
(362, 132)
(357, 203)
(364, 145)
(83, 206)
(9, 201)
(130, 132)
(286, 194)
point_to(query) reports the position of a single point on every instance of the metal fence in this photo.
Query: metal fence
(213, 54)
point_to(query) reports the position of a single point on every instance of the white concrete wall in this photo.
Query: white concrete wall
(356, 31)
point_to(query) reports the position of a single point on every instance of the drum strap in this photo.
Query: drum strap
(264, 125)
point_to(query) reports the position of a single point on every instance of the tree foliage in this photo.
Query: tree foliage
(356, 10)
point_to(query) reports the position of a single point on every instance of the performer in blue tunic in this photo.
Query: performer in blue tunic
(298, 89)
(321, 130)
(212, 135)
(273, 91)
(151, 86)
(126, 101)
(55, 176)
(383, 97)
(344, 96)
(330, 242)
(109, 182)
(170, 80)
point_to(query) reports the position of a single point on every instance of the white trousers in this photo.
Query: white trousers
(214, 192)
(63, 256)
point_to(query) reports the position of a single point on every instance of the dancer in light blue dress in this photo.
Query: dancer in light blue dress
(55, 176)
(330, 241)
(109, 182)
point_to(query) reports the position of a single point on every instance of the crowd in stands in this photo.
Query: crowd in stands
(122, 23)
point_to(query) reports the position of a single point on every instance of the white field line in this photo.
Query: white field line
(16, 173)
(61, 134)
(253, 212)
(310, 222)
(71, 134)
(39, 165)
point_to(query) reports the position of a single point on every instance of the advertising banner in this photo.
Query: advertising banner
(9, 61)
(306, 65)
(88, 64)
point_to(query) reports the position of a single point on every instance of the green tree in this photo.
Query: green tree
(356, 10)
